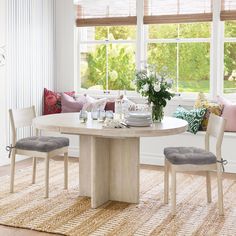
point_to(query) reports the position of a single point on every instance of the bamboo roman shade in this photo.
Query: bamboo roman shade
(105, 12)
(228, 10)
(177, 11)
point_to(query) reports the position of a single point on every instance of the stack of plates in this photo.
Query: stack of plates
(138, 119)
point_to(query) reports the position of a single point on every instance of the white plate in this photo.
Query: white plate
(138, 124)
(139, 115)
(132, 119)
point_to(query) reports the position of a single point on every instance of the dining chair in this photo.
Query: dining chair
(181, 159)
(35, 146)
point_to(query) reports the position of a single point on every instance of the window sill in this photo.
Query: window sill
(179, 99)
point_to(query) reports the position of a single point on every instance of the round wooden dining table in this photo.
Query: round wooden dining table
(109, 157)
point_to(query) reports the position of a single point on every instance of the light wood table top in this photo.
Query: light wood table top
(69, 123)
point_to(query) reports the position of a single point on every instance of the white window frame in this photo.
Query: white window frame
(231, 96)
(101, 42)
(216, 54)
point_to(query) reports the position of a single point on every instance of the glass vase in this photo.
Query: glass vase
(157, 113)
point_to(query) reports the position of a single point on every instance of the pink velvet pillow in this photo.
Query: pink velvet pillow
(229, 113)
(69, 104)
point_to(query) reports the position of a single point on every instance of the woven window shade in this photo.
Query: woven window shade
(177, 11)
(105, 12)
(228, 10)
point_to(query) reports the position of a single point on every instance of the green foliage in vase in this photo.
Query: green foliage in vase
(155, 86)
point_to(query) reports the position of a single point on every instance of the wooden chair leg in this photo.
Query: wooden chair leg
(166, 182)
(13, 161)
(208, 186)
(66, 170)
(220, 190)
(46, 176)
(34, 170)
(173, 191)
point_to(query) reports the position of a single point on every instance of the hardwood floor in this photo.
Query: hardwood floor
(11, 231)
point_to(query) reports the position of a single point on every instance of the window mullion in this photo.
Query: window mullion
(107, 64)
(140, 35)
(177, 62)
(180, 40)
(216, 80)
(78, 60)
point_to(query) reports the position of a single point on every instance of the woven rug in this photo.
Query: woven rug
(64, 212)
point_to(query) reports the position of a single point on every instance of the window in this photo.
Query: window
(116, 37)
(230, 57)
(185, 50)
(107, 57)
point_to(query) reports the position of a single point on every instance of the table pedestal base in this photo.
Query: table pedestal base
(109, 169)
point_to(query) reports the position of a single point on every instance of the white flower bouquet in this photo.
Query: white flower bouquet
(155, 86)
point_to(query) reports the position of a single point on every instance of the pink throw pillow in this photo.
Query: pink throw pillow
(229, 113)
(69, 104)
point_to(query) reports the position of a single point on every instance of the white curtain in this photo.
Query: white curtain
(30, 53)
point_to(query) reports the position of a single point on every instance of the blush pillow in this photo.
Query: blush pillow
(229, 113)
(69, 104)
(52, 101)
(93, 104)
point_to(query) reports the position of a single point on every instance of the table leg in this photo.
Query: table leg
(85, 165)
(124, 170)
(114, 170)
(100, 171)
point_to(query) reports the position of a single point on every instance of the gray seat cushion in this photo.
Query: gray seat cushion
(189, 155)
(42, 143)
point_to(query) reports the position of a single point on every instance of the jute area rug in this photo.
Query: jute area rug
(64, 212)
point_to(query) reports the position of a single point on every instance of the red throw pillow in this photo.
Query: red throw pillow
(110, 106)
(52, 101)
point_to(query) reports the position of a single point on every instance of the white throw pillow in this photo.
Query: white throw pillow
(93, 104)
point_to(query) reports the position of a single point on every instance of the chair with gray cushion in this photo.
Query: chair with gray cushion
(196, 159)
(35, 146)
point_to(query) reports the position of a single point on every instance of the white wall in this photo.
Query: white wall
(64, 39)
(65, 54)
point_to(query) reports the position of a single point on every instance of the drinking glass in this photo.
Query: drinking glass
(83, 116)
(94, 114)
(109, 114)
(101, 115)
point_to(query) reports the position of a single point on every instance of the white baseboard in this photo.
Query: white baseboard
(73, 152)
(4, 160)
(151, 159)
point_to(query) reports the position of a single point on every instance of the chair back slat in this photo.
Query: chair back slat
(215, 128)
(22, 117)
